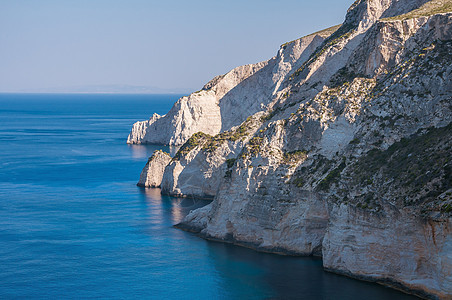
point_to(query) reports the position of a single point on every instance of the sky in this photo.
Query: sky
(172, 44)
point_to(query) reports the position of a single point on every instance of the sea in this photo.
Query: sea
(74, 225)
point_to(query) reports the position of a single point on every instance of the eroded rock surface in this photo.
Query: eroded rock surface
(341, 148)
(226, 101)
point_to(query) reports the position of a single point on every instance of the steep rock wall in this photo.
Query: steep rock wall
(376, 248)
(215, 108)
(349, 158)
(275, 202)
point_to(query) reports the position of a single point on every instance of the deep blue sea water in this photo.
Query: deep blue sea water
(73, 224)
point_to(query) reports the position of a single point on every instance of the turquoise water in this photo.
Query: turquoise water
(73, 224)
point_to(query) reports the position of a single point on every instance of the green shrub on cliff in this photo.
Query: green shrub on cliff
(194, 141)
(428, 9)
(332, 177)
(230, 162)
(228, 136)
(419, 165)
(294, 156)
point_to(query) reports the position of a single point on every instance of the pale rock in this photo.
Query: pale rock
(374, 247)
(152, 173)
(206, 169)
(226, 100)
(320, 107)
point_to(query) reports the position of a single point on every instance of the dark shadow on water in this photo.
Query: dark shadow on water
(246, 273)
(288, 277)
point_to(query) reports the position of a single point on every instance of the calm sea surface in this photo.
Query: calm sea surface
(73, 224)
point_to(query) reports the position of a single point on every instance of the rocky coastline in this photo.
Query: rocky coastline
(340, 147)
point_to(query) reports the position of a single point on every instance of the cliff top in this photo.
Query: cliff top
(430, 8)
(323, 33)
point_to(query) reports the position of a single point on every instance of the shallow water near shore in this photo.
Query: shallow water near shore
(74, 224)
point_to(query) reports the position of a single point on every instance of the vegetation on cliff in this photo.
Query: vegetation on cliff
(419, 167)
(347, 153)
(195, 140)
(430, 8)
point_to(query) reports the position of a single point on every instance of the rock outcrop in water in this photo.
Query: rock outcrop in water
(341, 148)
(152, 173)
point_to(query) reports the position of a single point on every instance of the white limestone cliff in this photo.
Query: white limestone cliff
(208, 159)
(348, 155)
(225, 101)
(376, 248)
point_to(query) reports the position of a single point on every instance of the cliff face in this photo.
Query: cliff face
(199, 167)
(347, 158)
(226, 100)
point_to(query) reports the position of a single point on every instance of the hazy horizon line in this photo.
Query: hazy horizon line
(93, 93)
(101, 89)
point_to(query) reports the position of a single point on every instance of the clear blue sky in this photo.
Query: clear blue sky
(171, 43)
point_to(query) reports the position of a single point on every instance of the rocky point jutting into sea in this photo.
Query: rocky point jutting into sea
(339, 147)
